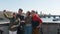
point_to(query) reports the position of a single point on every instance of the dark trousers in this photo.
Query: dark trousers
(20, 29)
(34, 27)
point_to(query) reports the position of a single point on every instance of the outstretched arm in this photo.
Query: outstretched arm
(6, 15)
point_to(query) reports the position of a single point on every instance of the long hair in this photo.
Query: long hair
(29, 13)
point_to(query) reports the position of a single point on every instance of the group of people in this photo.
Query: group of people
(20, 24)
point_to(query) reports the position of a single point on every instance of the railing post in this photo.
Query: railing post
(1, 32)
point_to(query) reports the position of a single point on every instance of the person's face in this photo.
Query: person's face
(20, 12)
(32, 13)
(14, 15)
(27, 14)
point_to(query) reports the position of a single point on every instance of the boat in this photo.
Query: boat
(56, 19)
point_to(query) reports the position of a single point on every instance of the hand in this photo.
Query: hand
(22, 21)
(38, 26)
(4, 12)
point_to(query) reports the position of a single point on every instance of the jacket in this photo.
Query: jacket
(28, 20)
(14, 23)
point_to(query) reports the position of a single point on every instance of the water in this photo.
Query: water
(47, 19)
(50, 20)
(43, 19)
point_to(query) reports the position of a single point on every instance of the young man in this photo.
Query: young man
(36, 22)
(21, 17)
(14, 22)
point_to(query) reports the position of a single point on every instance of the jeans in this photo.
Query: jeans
(28, 29)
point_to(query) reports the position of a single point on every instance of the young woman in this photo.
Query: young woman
(28, 24)
(14, 22)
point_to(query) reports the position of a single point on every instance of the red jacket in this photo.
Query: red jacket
(36, 18)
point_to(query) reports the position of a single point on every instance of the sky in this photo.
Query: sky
(44, 6)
